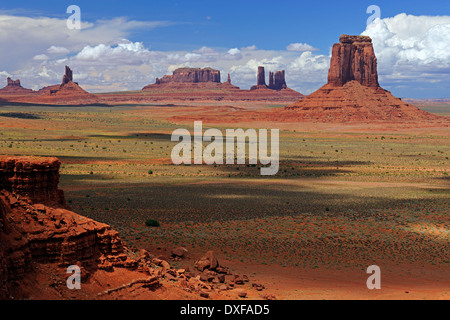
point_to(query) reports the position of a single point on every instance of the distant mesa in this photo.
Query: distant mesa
(277, 80)
(14, 87)
(191, 84)
(353, 92)
(191, 78)
(191, 75)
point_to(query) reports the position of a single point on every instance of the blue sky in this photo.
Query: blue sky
(187, 26)
(269, 25)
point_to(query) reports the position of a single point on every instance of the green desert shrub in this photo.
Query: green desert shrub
(152, 223)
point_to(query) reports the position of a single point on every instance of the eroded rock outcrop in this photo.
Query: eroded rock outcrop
(353, 59)
(68, 91)
(68, 76)
(271, 82)
(204, 81)
(37, 226)
(352, 92)
(191, 75)
(34, 178)
(13, 83)
(277, 80)
(280, 80)
(261, 77)
(14, 87)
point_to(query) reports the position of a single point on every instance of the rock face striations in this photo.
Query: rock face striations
(277, 81)
(36, 180)
(36, 225)
(353, 59)
(352, 92)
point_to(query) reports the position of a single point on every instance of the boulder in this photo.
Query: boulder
(208, 261)
(180, 252)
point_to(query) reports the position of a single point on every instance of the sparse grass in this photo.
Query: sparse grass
(338, 200)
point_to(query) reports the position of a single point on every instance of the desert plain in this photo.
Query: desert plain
(347, 195)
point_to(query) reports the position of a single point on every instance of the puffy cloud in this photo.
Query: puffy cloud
(4, 74)
(309, 71)
(125, 53)
(57, 50)
(413, 54)
(207, 51)
(41, 57)
(412, 50)
(249, 48)
(36, 35)
(300, 47)
(233, 54)
(244, 75)
(234, 51)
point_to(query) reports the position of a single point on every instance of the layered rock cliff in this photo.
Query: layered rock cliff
(36, 225)
(34, 178)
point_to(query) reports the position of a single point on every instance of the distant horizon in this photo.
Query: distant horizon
(434, 99)
(123, 47)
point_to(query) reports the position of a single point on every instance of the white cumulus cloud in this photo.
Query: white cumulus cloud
(57, 50)
(300, 47)
(412, 49)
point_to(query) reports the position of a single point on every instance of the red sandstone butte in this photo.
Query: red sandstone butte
(191, 75)
(352, 92)
(280, 80)
(353, 59)
(68, 76)
(277, 80)
(68, 92)
(204, 81)
(14, 87)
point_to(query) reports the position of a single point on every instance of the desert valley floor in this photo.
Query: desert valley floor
(347, 195)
